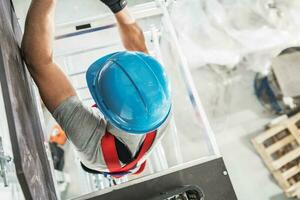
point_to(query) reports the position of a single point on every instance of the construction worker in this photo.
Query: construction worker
(130, 89)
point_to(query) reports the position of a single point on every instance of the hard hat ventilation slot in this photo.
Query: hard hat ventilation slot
(83, 26)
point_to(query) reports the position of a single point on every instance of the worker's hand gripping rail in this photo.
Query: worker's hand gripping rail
(103, 21)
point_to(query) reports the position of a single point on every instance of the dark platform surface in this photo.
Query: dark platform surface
(209, 176)
(32, 166)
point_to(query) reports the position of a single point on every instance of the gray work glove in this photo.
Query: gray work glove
(115, 5)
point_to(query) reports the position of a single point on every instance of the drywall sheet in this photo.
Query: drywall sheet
(287, 70)
(32, 166)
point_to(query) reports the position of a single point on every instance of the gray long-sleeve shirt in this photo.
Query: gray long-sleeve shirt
(85, 128)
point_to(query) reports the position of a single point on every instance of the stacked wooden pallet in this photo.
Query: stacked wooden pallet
(279, 147)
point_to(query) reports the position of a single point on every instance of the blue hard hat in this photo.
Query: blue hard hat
(131, 90)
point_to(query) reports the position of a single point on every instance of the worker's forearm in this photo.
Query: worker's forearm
(38, 36)
(132, 36)
(53, 85)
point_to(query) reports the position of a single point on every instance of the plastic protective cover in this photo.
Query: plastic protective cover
(232, 32)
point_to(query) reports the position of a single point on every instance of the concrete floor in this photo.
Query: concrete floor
(236, 117)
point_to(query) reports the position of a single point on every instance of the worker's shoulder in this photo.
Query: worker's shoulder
(68, 105)
(74, 111)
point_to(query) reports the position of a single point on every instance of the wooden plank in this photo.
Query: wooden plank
(281, 143)
(293, 188)
(283, 183)
(293, 191)
(289, 194)
(296, 193)
(270, 133)
(291, 172)
(294, 119)
(262, 152)
(294, 131)
(286, 158)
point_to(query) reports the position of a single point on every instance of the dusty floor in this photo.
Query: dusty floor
(236, 117)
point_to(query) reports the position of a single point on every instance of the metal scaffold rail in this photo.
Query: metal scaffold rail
(184, 67)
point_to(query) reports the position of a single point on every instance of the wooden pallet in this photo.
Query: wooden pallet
(279, 147)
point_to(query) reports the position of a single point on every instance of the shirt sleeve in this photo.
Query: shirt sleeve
(84, 126)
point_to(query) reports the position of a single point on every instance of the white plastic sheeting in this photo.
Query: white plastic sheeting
(236, 32)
